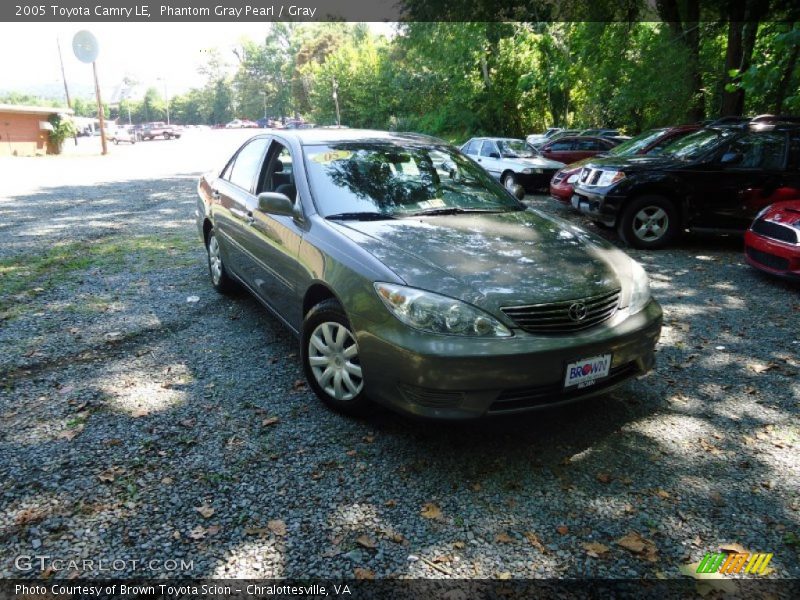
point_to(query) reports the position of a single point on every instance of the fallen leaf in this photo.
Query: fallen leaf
(109, 475)
(66, 390)
(366, 542)
(368, 439)
(662, 494)
(167, 481)
(70, 434)
(351, 453)
(716, 499)
(198, 533)
(299, 385)
(636, 544)
(205, 510)
(504, 575)
(189, 423)
(430, 511)
(277, 526)
(442, 559)
(604, 478)
(140, 412)
(708, 447)
(534, 541)
(214, 529)
(459, 545)
(595, 549)
(390, 503)
(760, 368)
(113, 442)
(503, 538)
(732, 547)
(562, 529)
(476, 487)
(256, 531)
(361, 573)
(270, 421)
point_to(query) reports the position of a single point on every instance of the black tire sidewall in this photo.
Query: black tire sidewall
(625, 228)
(329, 311)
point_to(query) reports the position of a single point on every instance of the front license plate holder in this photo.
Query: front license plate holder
(586, 372)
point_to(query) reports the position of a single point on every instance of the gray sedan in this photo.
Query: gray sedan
(415, 280)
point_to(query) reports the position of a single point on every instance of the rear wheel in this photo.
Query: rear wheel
(649, 222)
(216, 268)
(331, 360)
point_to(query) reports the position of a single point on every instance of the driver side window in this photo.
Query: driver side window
(760, 151)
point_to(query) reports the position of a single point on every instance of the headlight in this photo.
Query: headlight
(609, 177)
(640, 288)
(531, 171)
(573, 178)
(433, 313)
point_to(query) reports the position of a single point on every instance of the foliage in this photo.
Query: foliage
(63, 128)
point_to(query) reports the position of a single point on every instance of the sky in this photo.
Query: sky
(162, 55)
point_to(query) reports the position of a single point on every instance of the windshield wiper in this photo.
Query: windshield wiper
(359, 216)
(452, 210)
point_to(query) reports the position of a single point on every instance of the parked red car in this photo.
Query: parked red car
(772, 243)
(648, 142)
(574, 148)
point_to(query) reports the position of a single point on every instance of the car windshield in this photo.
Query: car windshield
(516, 149)
(637, 143)
(695, 145)
(386, 180)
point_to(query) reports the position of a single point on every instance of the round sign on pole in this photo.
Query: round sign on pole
(85, 47)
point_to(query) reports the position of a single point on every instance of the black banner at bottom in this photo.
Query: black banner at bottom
(434, 589)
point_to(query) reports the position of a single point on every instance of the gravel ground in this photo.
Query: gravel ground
(145, 418)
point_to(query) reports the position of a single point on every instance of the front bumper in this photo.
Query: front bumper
(772, 256)
(562, 192)
(536, 181)
(599, 205)
(447, 377)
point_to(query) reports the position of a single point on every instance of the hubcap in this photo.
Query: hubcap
(650, 223)
(510, 183)
(214, 260)
(333, 357)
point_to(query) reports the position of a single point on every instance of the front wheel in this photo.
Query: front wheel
(509, 181)
(331, 360)
(649, 222)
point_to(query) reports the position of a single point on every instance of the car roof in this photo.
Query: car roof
(310, 137)
(584, 137)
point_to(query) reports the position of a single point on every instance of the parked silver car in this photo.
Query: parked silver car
(514, 162)
(415, 280)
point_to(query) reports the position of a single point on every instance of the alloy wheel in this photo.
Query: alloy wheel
(651, 223)
(214, 260)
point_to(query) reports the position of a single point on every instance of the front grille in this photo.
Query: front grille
(775, 231)
(542, 395)
(768, 260)
(431, 398)
(590, 176)
(558, 178)
(554, 317)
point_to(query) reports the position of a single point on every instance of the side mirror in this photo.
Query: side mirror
(494, 155)
(273, 203)
(731, 158)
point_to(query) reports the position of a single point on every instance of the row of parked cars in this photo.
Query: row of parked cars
(724, 176)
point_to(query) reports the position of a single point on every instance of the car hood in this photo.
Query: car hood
(785, 213)
(537, 162)
(493, 260)
(636, 163)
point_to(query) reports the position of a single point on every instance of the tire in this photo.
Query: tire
(116, 142)
(166, 136)
(330, 359)
(601, 225)
(649, 222)
(220, 280)
(509, 181)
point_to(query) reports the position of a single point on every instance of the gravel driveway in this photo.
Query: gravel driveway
(146, 419)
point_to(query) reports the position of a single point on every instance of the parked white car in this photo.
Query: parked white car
(123, 134)
(514, 162)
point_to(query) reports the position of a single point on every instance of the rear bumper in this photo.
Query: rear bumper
(446, 377)
(777, 258)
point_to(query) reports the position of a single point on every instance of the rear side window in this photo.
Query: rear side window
(588, 145)
(247, 164)
(761, 150)
(560, 146)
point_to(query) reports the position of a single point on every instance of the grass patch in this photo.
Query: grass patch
(23, 278)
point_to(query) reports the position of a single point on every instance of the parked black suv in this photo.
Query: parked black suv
(715, 179)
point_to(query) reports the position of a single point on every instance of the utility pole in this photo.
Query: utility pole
(336, 100)
(63, 75)
(100, 115)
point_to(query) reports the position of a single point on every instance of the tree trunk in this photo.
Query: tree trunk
(733, 60)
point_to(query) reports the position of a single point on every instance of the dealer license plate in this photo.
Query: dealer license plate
(586, 372)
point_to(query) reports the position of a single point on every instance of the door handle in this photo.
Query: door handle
(215, 194)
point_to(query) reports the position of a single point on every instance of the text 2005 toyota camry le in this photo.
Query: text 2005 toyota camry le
(415, 280)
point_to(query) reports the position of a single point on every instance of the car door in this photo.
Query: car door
(741, 180)
(272, 242)
(232, 197)
(559, 150)
(489, 158)
(586, 148)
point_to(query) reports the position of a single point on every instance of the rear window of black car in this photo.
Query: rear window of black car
(393, 180)
(697, 144)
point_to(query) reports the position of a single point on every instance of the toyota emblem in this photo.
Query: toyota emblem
(577, 311)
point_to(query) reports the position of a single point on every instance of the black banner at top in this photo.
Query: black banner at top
(386, 10)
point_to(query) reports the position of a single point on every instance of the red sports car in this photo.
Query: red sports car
(649, 142)
(772, 243)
